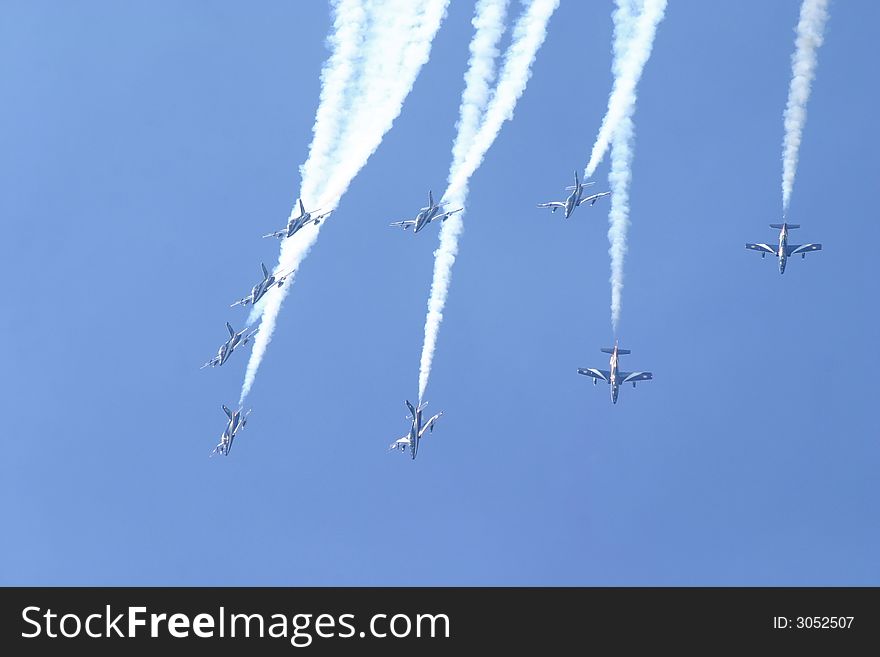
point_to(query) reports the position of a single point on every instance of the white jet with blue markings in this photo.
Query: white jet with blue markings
(259, 290)
(416, 430)
(238, 339)
(426, 215)
(294, 224)
(236, 422)
(615, 377)
(575, 199)
(784, 250)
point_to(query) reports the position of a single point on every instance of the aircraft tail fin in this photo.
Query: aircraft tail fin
(230, 329)
(227, 411)
(265, 271)
(430, 199)
(410, 407)
(789, 226)
(302, 210)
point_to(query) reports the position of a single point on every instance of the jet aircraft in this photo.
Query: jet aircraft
(784, 250)
(259, 290)
(575, 199)
(236, 422)
(295, 223)
(235, 340)
(416, 431)
(426, 215)
(614, 376)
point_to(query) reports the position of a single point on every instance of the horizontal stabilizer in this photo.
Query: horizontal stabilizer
(789, 226)
(610, 350)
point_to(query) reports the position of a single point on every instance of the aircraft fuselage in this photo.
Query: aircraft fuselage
(296, 224)
(571, 201)
(224, 353)
(414, 432)
(425, 216)
(615, 385)
(783, 244)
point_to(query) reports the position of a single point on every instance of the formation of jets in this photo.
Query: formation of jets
(426, 215)
(416, 430)
(236, 421)
(574, 199)
(614, 376)
(784, 250)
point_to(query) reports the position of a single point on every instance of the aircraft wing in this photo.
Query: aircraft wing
(403, 224)
(791, 249)
(592, 199)
(761, 247)
(400, 443)
(277, 233)
(241, 302)
(552, 204)
(602, 375)
(632, 377)
(429, 424)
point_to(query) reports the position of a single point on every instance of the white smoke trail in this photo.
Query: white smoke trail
(618, 215)
(379, 49)
(528, 35)
(346, 40)
(810, 28)
(635, 25)
(488, 25)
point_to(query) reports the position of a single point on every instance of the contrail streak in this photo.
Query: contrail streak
(378, 50)
(811, 25)
(634, 33)
(488, 24)
(635, 26)
(618, 215)
(528, 35)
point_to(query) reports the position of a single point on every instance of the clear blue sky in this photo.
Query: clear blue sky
(146, 146)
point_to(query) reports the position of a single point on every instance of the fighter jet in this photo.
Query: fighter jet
(237, 421)
(784, 250)
(575, 199)
(614, 376)
(426, 215)
(295, 223)
(259, 290)
(415, 431)
(226, 349)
